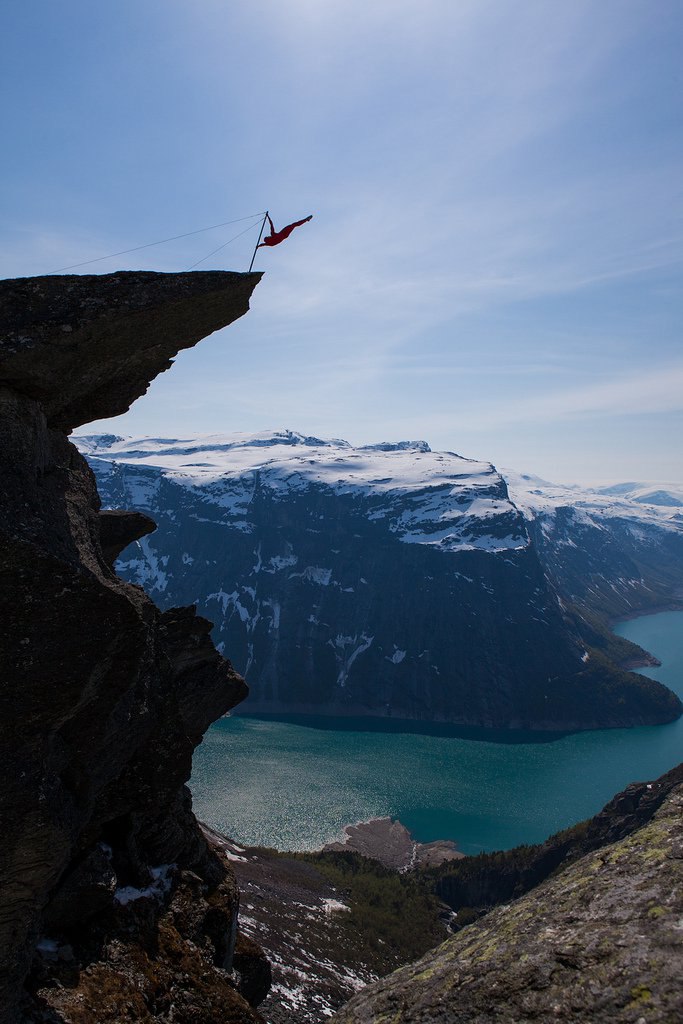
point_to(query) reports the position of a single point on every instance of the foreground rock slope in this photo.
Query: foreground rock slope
(601, 942)
(391, 580)
(340, 905)
(113, 906)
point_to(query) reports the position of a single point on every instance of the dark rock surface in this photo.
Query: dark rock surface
(254, 969)
(148, 960)
(118, 529)
(602, 942)
(86, 346)
(102, 697)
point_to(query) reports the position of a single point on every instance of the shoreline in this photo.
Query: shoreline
(675, 605)
(312, 716)
(639, 754)
(420, 726)
(651, 661)
(388, 841)
(384, 839)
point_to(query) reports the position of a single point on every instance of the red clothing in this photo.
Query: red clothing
(275, 237)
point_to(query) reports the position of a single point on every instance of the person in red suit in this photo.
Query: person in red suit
(275, 237)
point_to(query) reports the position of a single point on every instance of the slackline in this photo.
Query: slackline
(173, 238)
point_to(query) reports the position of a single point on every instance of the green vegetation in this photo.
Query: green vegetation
(487, 879)
(639, 994)
(480, 882)
(393, 917)
(601, 675)
(596, 632)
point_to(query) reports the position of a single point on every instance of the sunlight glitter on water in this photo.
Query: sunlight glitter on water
(295, 786)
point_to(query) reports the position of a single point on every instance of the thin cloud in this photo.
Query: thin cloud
(633, 394)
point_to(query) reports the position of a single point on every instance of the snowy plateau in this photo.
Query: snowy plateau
(390, 580)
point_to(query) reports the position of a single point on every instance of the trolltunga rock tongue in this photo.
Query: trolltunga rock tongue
(102, 696)
(86, 346)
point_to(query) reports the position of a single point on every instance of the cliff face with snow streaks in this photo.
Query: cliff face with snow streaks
(388, 580)
(113, 906)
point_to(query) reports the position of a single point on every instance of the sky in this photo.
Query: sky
(494, 261)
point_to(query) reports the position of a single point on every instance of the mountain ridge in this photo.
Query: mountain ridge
(379, 580)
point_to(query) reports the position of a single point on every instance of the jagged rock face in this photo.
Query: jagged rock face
(118, 529)
(601, 942)
(388, 580)
(103, 697)
(154, 963)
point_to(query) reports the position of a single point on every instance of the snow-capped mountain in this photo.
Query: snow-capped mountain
(608, 550)
(382, 580)
(657, 504)
(666, 494)
(423, 497)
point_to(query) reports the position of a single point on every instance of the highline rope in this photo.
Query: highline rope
(173, 238)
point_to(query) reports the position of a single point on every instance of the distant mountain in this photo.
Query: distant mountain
(609, 553)
(391, 580)
(669, 495)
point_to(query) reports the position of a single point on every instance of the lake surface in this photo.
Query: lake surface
(292, 785)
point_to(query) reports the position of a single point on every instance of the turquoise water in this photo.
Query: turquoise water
(294, 784)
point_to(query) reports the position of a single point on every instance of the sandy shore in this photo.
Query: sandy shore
(390, 842)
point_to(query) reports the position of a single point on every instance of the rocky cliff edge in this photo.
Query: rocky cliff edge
(113, 906)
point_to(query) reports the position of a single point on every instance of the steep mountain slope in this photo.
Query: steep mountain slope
(610, 553)
(385, 580)
(107, 881)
